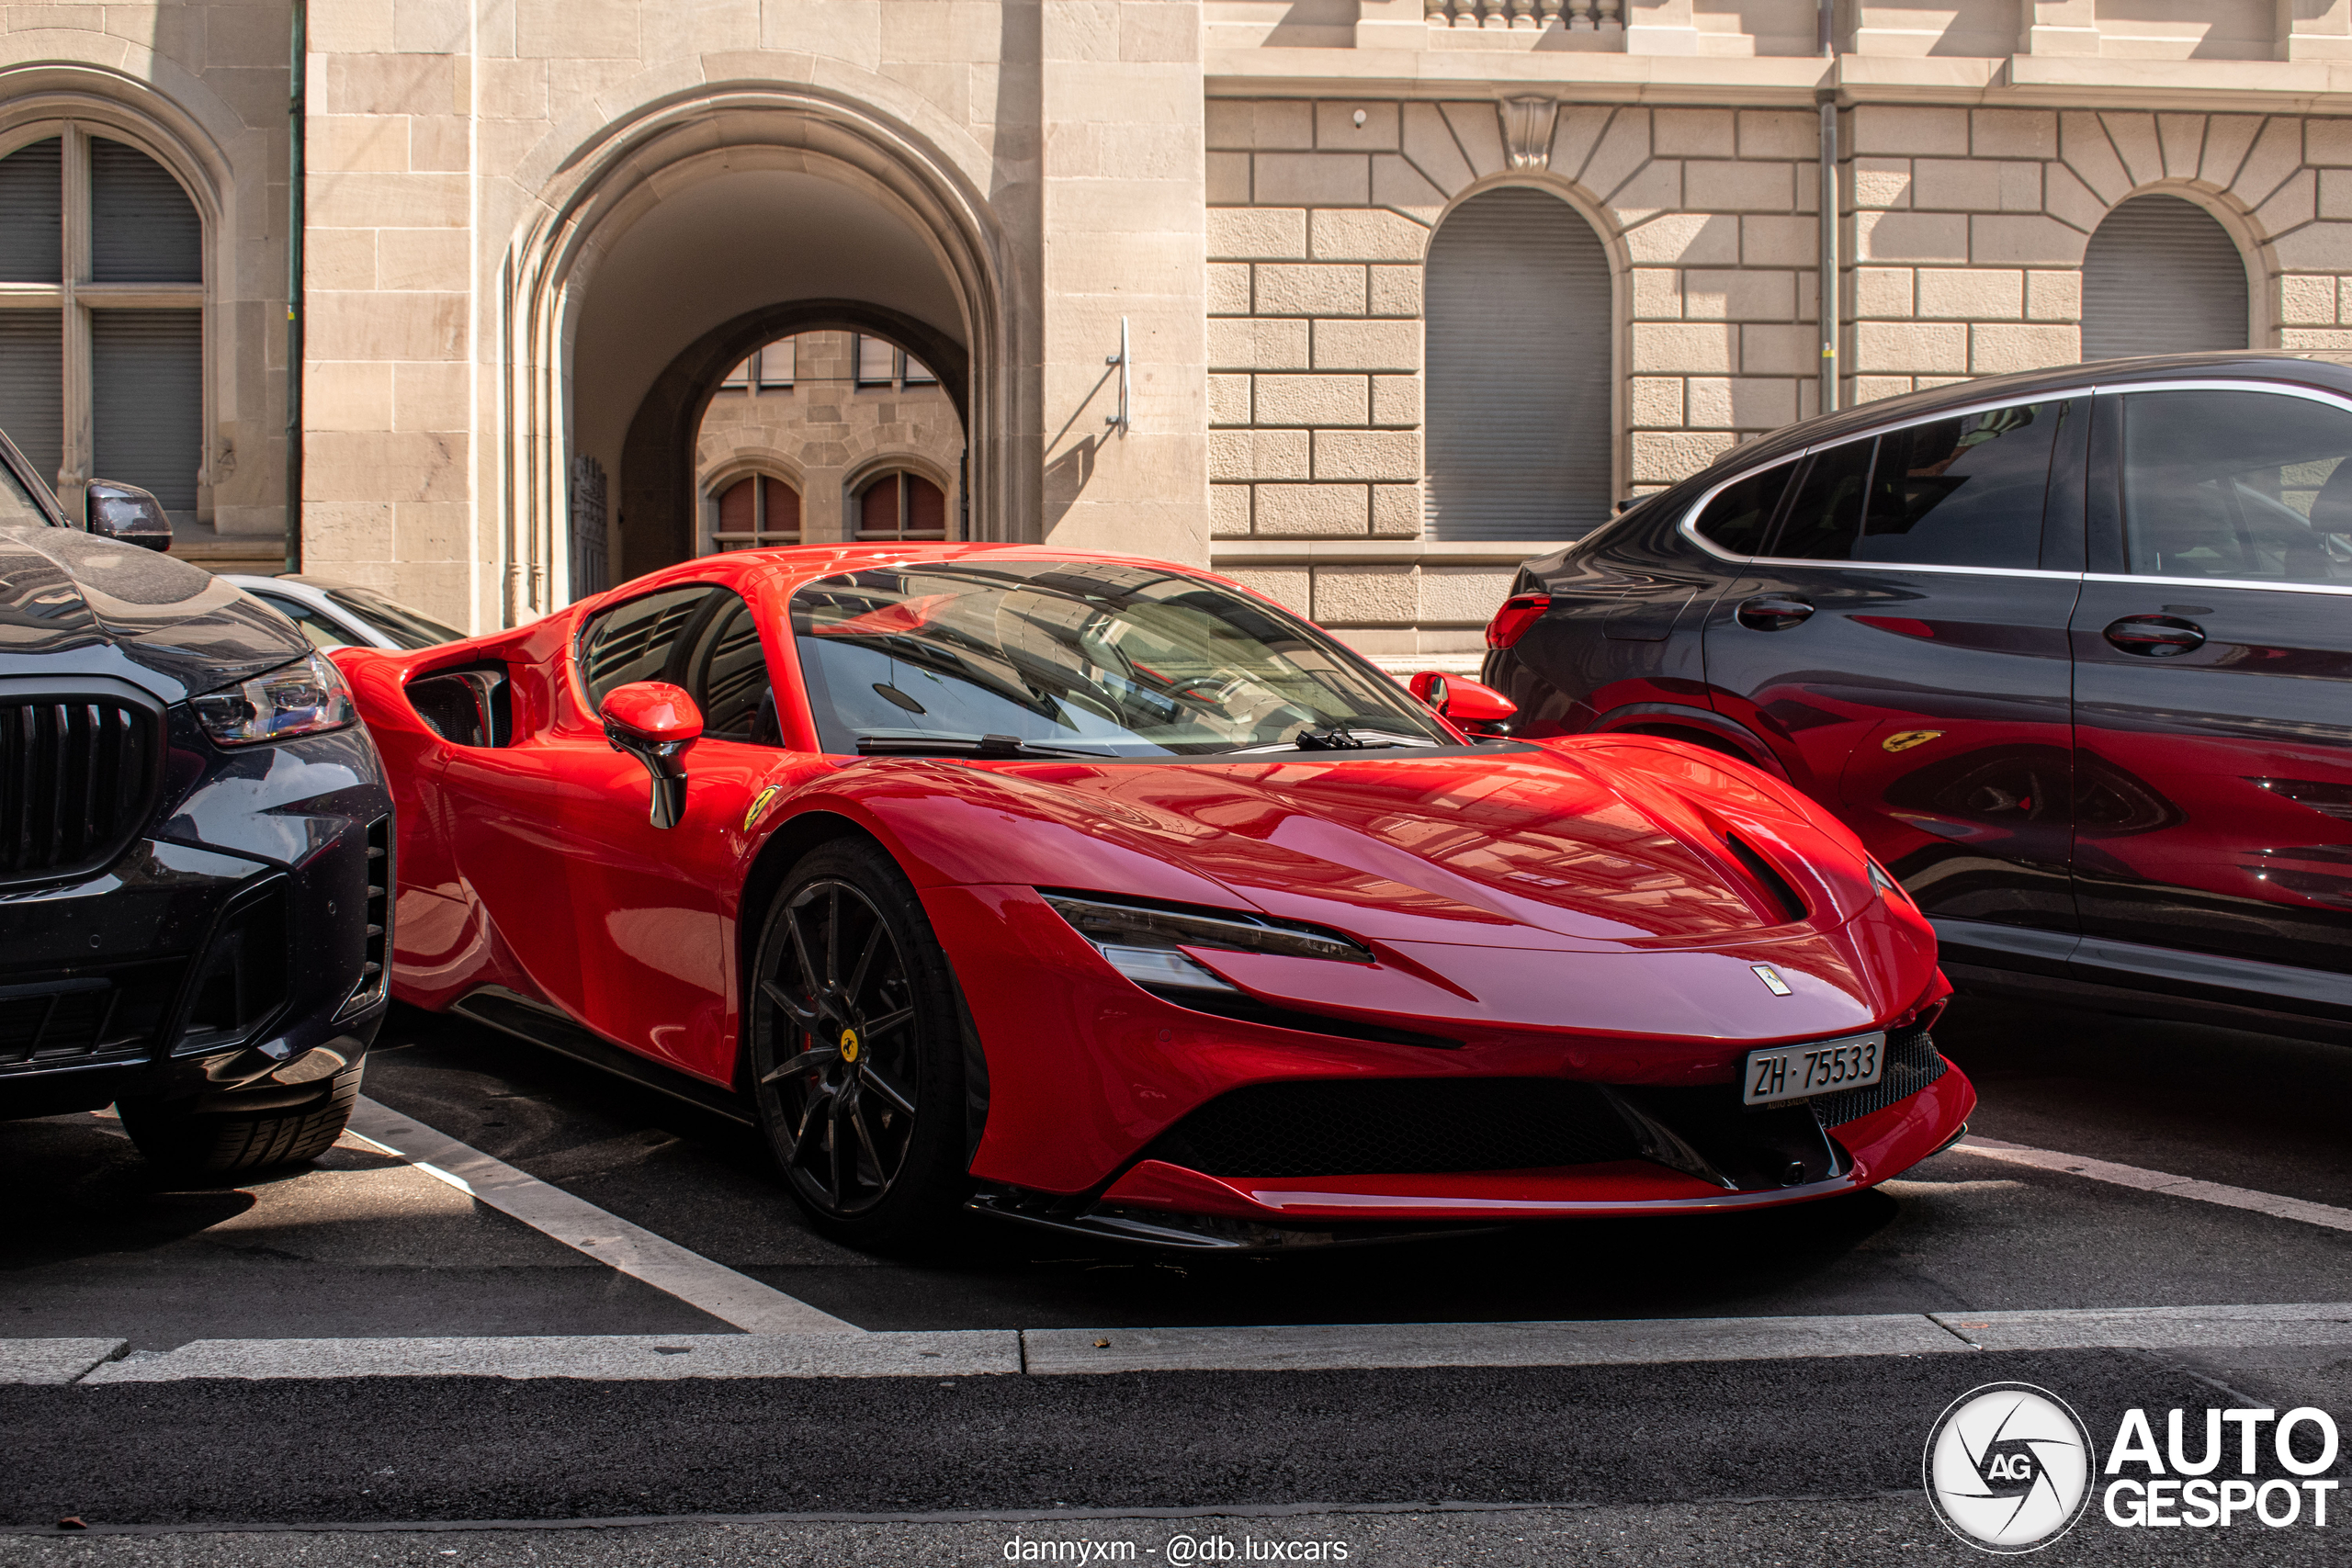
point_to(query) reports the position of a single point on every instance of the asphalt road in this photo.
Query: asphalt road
(366, 1245)
(1782, 1461)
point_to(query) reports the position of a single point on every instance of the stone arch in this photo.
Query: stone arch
(658, 462)
(617, 174)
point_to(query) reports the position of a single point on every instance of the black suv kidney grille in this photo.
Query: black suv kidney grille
(1398, 1126)
(116, 1015)
(78, 777)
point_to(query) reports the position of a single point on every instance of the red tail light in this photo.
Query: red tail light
(1520, 612)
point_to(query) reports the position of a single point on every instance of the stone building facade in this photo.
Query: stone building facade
(539, 233)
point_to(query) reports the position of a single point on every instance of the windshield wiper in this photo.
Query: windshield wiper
(1340, 738)
(964, 746)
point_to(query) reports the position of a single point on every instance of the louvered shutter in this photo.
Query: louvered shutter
(144, 229)
(32, 204)
(32, 387)
(2160, 276)
(1518, 320)
(147, 402)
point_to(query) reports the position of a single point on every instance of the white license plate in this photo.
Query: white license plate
(1825, 1067)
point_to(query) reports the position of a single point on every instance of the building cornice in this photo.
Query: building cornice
(2022, 80)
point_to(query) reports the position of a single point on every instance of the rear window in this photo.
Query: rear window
(1740, 515)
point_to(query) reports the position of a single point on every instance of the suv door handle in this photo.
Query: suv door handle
(2157, 636)
(1772, 612)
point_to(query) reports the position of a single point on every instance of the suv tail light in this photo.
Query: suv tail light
(1520, 612)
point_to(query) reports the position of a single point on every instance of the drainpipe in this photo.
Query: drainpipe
(1825, 98)
(294, 222)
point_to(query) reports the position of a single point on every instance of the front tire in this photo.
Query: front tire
(856, 1051)
(175, 1135)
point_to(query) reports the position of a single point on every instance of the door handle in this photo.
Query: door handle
(1772, 612)
(2157, 636)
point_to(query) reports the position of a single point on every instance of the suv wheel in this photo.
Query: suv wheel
(224, 1140)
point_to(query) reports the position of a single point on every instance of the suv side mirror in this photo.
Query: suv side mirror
(655, 722)
(1479, 709)
(128, 516)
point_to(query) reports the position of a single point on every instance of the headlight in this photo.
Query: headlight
(301, 698)
(1144, 942)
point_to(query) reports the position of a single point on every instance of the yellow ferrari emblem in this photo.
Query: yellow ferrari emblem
(849, 1044)
(1903, 740)
(759, 804)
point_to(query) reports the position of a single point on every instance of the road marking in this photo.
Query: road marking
(2171, 1186)
(951, 1353)
(633, 1250)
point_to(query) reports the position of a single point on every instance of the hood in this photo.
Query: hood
(1636, 845)
(70, 601)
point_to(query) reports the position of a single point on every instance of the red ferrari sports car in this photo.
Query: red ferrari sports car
(1105, 895)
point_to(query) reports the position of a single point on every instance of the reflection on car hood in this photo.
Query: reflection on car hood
(1524, 848)
(73, 599)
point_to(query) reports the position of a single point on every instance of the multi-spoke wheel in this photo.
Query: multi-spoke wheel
(855, 1050)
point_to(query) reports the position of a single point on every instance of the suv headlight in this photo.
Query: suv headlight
(305, 697)
(1144, 942)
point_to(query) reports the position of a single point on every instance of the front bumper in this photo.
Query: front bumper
(1112, 1109)
(226, 953)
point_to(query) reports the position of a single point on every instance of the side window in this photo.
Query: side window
(727, 675)
(1736, 519)
(1826, 515)
(639, 640)
(2236, 484)
(1964, 492)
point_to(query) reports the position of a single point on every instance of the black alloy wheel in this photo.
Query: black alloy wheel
(856, 1050)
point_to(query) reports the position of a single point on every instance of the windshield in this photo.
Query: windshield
(1080, 657)
(18, 507)
(408, 628)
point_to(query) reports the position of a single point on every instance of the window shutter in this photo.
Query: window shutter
(876, 361)
(2160, 276)
(32, 205)
(918, 374)
(737, 378)
(926, 509)
(783, 507)
(32, 387)
(144, 229)
(735, 507)
(1518, 321)
(877, 510)
(147, 402)
(776, 363)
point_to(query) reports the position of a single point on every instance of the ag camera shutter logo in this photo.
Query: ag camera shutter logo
(2008, 1467)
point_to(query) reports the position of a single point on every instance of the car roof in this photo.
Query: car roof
(797, 564)
(2240, 365)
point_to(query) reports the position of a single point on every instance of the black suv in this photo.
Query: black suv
(195, 846)
(2070, 650)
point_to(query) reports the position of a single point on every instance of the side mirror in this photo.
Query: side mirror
(1479, 709)
(655, 722)
(126, 515)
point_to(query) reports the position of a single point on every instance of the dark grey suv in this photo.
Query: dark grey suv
(195, 846)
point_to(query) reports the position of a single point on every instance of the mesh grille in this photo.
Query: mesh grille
(91, 1018)
(1393, 1126)
(77, 778)
(1912, 1064)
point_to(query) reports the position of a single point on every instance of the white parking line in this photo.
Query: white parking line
(954, 1353)
(2171, 1186)
(633, 1250)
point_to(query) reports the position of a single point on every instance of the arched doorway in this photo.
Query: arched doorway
(827, 437)
(668, 253)
(1517, 329)
(2161, 275)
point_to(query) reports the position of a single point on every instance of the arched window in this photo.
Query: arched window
(1518, 331)
(105, 255)
(901, 507)
(2161, 275)
(756, 511)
